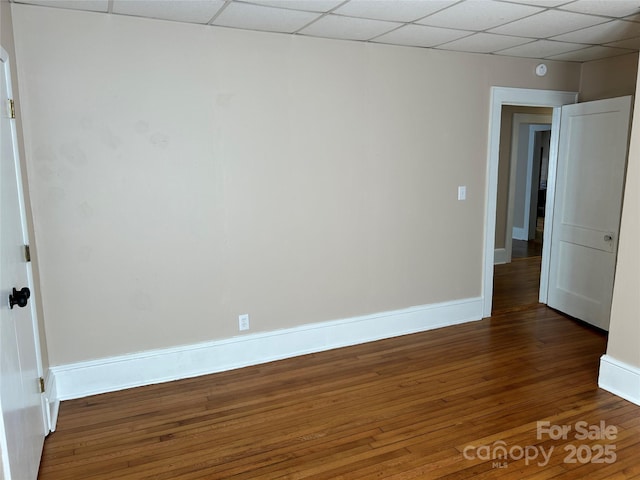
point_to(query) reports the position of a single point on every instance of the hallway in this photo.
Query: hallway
(516, 285)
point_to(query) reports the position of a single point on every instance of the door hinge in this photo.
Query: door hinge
(41, 382)
(12, 108)
(27, 253)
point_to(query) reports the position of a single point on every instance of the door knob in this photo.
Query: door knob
(608, 238)
(19, 297)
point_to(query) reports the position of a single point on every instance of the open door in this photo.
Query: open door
(22, 422)
(592, 156)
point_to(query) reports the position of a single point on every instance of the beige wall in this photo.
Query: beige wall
(182, 175)
(609, 78)
(624, 329)
(7, 42)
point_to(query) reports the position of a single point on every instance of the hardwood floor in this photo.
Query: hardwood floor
(516, 285)
(413, 407)
(531, 248)
(523, 248)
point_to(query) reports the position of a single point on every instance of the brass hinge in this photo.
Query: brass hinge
(41, 384)
(27, 253)
(12, 108)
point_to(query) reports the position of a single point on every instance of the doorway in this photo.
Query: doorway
(583, 219)
(519, 170)
(528, 238)
(528, 241)
(501, 96)
(525, 134)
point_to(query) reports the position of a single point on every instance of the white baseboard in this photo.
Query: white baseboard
(51, 399)
(520, 233)
(155, 366)
(620, 378)
(499, 256)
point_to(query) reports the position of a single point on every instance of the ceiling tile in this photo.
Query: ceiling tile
(541, 49)
(603, 33)
(194, 11)
(611, 8)
(548, 24)
(255, 17)
(392, 10)
(525, 28)
(420, 36)
(632, 43)
(478, 15)
(633, 18)
(484, 43)
(89, 5)
(348, 28)
(306, 5)
(540, 3)
(590, 53)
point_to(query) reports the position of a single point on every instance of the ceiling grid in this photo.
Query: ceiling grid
(569, 30)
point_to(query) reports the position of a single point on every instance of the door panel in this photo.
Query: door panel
(21, 424)
(592, 156)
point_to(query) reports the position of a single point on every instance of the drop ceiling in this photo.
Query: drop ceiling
(577, 31)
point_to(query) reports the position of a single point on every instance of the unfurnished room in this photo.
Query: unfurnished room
(319, 239)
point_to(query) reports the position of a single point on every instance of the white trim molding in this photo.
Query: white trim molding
(51, 400)
(500, 256)
(163, 365)
(620, 378)
(516, 96)
(520, 233)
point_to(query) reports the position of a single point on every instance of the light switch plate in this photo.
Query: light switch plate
(462, 192)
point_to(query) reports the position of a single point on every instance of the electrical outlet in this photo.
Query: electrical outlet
(462, 192)
(243, 321)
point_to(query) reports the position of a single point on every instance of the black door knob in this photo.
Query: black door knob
(19, 297)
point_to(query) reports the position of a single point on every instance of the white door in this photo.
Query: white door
(592, 156)
(22, 426)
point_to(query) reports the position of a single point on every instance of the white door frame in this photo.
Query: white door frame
(526, 97)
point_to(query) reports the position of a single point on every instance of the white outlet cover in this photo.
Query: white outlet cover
(243, 322)
(462, 192)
